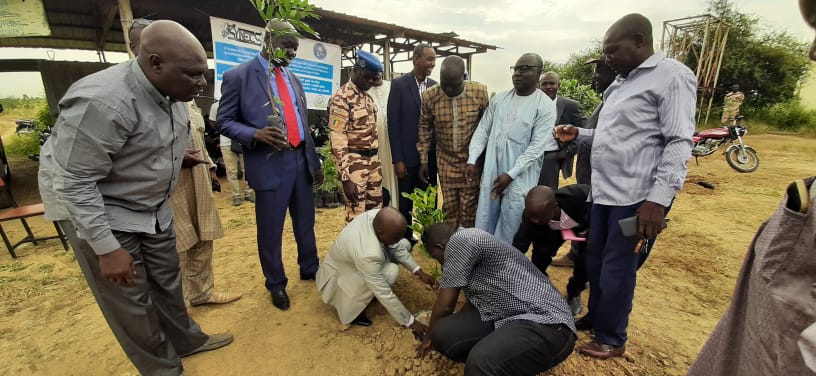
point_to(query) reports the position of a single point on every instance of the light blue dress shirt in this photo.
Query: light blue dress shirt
(642, 144)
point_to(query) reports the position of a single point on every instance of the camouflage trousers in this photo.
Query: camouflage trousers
(366, 174)
(459, 205)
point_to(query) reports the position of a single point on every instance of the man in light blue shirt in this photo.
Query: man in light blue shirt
(639, 154)
(514, 133)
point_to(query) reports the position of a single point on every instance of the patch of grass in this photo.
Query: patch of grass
(15, 266)
(23, 145)
(46, 268)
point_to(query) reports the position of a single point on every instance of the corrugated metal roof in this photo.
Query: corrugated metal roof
(78, 24)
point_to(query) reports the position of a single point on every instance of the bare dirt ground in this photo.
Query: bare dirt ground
(50, 324)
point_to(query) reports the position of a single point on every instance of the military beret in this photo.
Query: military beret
(369, 62)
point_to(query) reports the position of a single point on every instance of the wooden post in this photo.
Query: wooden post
(126, 17)
(387, 68)
(469, 60)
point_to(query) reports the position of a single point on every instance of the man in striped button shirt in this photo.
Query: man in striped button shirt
(639, 154)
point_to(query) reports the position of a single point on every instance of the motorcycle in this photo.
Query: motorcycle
(739, 156)
(31, 126)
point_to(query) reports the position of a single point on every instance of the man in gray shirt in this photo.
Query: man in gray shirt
(106, 175)
(639, 154)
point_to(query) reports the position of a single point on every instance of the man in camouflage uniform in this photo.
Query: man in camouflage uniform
(451, 112)
(731, 106)
(353, 124)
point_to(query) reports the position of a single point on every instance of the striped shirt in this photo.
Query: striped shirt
(643, 141)
(500, 281)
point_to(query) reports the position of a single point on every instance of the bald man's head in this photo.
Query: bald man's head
(628, 43)
(526, 73)
(540, 205)
(452, 76)
(173, 60)
(389, 225)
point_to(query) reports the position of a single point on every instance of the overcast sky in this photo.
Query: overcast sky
(553, 29)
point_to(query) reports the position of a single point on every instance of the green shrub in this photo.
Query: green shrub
(29, 144)
(24, 102)
(426, 211)
(330, 177)
(788, 116)
(584, 94)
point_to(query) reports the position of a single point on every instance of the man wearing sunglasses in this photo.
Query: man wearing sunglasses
(353, 124)
(514, 133)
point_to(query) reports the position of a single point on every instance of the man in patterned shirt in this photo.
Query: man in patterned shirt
(353, 124)
(514, 323)
(451, 112)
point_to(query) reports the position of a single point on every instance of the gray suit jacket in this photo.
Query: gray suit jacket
(359, 268)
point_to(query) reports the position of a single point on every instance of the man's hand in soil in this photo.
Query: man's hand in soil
(426, 279)
(117, 267)
(424, 347)
(191, 158)
(350, 190)
(419, 329)
(271, 136)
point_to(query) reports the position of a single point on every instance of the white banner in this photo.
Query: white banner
(317, 64)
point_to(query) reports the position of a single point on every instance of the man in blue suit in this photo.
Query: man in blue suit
(404, 102)
(281, 162)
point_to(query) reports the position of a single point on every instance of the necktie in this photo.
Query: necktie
(289, 116)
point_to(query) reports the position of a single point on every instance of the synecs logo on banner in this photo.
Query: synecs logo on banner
(317, 64)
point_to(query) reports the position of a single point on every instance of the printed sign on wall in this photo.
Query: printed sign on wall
(317, 64)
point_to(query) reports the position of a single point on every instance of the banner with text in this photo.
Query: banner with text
(317, 64)
(21, 18)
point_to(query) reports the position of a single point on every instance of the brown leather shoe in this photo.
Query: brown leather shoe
(584, 323)
(564, 261)
(601, 351)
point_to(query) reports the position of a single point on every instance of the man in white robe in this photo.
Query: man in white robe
(513, 134)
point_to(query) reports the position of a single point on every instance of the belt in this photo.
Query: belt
(365, 153)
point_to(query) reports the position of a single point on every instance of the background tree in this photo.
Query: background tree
(768, 65)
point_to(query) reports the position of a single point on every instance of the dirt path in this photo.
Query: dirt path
(50, 324)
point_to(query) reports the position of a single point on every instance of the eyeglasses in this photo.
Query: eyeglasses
(523, 68)
(139, 22)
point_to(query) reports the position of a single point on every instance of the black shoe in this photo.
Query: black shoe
(584, 323)
(307, 276)
(280, 300)
(361, 320)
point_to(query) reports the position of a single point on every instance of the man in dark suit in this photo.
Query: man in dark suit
(403, 128)
(281, 162)
(546, 213)
(568, 112)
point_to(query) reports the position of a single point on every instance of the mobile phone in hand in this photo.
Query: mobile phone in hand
(629, 226)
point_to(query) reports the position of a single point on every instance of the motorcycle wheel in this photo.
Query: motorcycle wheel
(746, 161)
